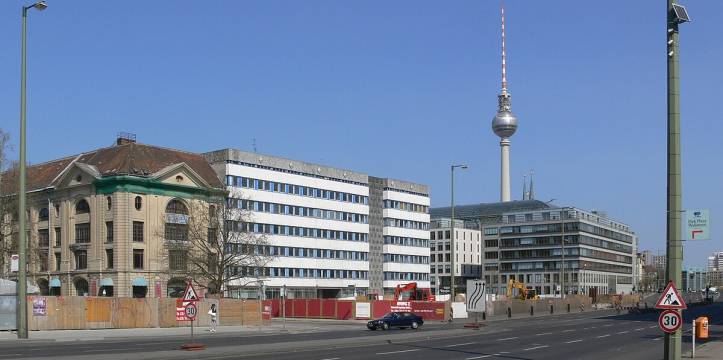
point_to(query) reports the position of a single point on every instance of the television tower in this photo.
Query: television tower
(504, 124)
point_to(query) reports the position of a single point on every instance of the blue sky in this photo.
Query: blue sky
(393, 88)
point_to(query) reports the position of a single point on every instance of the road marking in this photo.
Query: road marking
(463, 344)
(536, 347)
(509, 338)
(652, 327)
(98, 350)
(478, 357)
(658, 338)
(588, 328)
(397, 352)
(624, 332)
(547, 333)
(639, 329)
(602, 336)
(607, 325)
(572, 341)
(331, 359)
(4, 355)
(568, 330)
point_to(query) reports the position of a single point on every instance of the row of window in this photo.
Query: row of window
(569, 239)
(407, 276)
(301, 273)
(442, 269)
(571, 265)
(300, 190)
(406, 192)
(438, 235)
(273, 229)
(405, 241)
(288, 251)
(406, 259)
(401, 205)
(273, 208)
(407, 224)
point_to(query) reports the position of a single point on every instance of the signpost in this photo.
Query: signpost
(186, 310)
(476, 300)
(697, 224)
(671, 299)
(14, 263)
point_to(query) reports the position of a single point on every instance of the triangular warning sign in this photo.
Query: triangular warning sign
(190, 294)
(671, 299)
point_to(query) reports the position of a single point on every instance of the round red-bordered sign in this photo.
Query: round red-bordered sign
(191, 311)
(670, 321)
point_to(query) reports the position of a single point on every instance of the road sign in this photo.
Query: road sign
(191, 311)
(697, 224)
(14, 262)
(670, 321)
(190, 294)
(671, 299)
(476, 293)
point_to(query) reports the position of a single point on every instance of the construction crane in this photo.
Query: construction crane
(523, 293)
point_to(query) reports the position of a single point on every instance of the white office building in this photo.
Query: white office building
(334, 232)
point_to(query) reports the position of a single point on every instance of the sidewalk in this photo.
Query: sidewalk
(710, 350)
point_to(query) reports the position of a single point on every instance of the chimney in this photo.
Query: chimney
(124, 138)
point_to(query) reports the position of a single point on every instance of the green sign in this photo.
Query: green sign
(697, 224)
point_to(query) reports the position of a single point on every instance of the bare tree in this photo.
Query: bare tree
(8, 205)
(214, 246)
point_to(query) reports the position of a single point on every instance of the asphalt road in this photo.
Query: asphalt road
(589, 335)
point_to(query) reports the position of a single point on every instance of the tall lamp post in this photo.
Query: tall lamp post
(451, 235)
(22, 238)
(676, 15)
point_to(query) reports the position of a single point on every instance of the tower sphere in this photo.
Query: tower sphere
(504, 124)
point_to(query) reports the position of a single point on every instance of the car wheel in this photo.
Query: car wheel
(385, 326)
(415, 326)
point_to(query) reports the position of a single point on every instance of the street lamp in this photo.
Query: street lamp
(22, 238)
(676, 15)
(451, 285)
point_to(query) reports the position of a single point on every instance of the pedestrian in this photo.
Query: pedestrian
(213, 314)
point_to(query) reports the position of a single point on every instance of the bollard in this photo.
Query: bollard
(568, 307)
(509, 312)
(532, 310)
(693, 339)
(552, 310)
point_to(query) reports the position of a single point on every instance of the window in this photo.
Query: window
(177, 259)
(138, 202)
(138, 231)
(176, 207)
(82, 207)
(58, 237)
(43, 214)
(109, 258)
(109, 231)
(212, 235)
(176, 227)
(43, 238)
(82, 233)
(81, 260)
(57, 261)
(138, 258)
(43, 259)
(109, 203)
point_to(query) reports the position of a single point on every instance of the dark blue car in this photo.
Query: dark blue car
(396, 319)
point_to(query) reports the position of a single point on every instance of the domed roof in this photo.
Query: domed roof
(504, 124)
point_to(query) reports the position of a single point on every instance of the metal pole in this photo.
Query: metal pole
(692, 339)
(562, 263)
(451, 285)
(22, 240)
(674, 244)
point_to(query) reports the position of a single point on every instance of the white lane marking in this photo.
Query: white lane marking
(639, 329)
(4, 355)
(536, 347)
(331, 359)
(568, 330)
(624, 332)
(658, 338)
(607, 325)
(478, 357)
(509, 338)
(397, 352)
(504, 352)
(572, 341)
(652, 327)
(463, 344)
(547, 333)
(121, 349)
(588, 328)
(602, 336)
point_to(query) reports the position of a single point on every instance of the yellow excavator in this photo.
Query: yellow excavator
(523, 292)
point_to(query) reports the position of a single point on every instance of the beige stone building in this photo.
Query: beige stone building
(98, 221)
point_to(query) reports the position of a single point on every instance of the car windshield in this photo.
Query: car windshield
(389, 315)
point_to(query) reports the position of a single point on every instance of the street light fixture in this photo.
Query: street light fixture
(22, 238)
(451, 235)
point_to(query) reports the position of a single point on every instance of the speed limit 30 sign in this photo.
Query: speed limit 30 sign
(191, 311)
(670, 321)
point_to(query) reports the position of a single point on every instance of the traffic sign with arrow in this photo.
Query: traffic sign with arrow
(671, 299)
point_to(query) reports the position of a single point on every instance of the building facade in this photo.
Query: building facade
(694, 279)
(522, 240)
(97, 220)
(336, 232)
(467, 264)
(715, 261)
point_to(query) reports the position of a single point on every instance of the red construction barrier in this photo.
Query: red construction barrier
(313, 307)
(299, 308)
(288, 307)
(380, 307)
(429, 310)
(344, 310)
(275, 305)
(328, 308)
